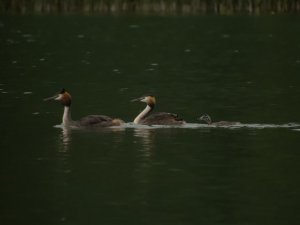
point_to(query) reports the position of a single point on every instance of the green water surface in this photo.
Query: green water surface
(236, 68)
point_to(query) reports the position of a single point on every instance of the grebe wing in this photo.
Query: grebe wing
(162, 118)
(92, 120)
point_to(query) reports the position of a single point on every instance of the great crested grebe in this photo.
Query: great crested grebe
(88, 121)
(206, 118)
(147, 117)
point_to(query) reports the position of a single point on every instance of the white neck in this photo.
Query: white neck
(67, 120)
(142, 114)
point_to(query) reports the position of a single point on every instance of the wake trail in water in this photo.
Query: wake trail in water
(294, 126)
(199, 126)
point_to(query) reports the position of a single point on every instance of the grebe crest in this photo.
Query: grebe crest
(148, 99)
(64, 97)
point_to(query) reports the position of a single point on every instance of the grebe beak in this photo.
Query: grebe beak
(136, 100)
(51, 98)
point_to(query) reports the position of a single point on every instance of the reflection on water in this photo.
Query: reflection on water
(63, 169)
(147, 138)
(65, 139)
(63, 154)
(145, 142)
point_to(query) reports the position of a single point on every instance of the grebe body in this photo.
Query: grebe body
(88, 121)
(148, 117)
(206, 118)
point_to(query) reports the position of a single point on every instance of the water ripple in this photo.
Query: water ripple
(201, 126)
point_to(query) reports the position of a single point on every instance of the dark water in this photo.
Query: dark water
(234, 68)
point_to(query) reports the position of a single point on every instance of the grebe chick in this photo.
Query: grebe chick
(88, 121)
(206, 118)
(147, 117)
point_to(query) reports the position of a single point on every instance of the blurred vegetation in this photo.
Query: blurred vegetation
(150, 6)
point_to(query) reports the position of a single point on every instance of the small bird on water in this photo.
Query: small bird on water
(206, 118)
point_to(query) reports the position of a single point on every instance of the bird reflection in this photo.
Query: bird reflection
(65, 139)
(147, 137)
(63, 169)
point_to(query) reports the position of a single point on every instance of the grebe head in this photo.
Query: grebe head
(63, 96)
(206, 118)
(148, 99)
